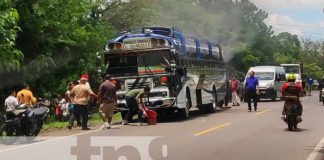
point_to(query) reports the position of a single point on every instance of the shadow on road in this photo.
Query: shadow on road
(174, 117)
(297, 130)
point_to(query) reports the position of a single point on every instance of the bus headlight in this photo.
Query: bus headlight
(121, 96)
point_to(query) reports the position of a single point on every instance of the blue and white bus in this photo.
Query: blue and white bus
(183, 72)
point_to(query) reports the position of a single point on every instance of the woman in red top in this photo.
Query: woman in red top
(235, 97)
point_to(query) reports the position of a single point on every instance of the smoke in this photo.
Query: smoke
(219, 21)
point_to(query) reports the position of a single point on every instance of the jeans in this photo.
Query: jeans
(72, 116)
(133, 109)
(250, 96)
(81, 111)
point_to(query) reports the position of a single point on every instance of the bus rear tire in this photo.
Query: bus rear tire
(212, 107)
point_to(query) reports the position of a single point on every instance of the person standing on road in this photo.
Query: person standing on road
(320, 87)
(135, 103)
(80, 96)
(107, 99)
(309, 85)
(71, 106)
(252, 90)
(234, 89)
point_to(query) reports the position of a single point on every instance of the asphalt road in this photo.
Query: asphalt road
(230, 134)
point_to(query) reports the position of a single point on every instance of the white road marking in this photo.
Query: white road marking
(55, 139)
(316, 150)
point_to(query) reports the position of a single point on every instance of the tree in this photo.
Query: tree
(58, 40)
(10, 56)
(127, 15)
(313, 70)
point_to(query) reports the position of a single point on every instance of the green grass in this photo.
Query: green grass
(52, 125)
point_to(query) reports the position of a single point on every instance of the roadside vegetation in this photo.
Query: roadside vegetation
(53, 125)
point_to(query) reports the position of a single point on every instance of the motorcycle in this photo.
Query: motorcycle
(291, 116)
(26, 122)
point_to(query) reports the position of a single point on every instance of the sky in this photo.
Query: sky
(304, 18)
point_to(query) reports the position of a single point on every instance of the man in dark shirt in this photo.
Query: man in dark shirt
(252, 90)
(107, 100)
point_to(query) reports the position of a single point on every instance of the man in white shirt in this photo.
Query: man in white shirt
(10, 104)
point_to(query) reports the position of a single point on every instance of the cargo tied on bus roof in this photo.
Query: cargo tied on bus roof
(183, 71)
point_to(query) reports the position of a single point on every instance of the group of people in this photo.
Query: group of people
(24, 96)
(76, 102)
(78, 96)
(252, 92)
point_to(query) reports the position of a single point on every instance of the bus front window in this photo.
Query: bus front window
(292, 69)
(122, 65)
(148, 62)
(264, 75)
(153, 62)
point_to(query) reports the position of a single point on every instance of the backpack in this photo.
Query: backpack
(291, 92)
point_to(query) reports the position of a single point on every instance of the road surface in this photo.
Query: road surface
(230, 134)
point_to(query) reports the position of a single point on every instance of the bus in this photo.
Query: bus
(183, 72)
(294, 69)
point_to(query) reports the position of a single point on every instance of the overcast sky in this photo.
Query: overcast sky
(302, 17)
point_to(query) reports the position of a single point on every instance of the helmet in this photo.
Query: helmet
(291, 77)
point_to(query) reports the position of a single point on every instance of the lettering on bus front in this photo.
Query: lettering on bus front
(136, 44)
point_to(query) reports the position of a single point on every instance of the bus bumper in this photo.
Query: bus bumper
(154, 103)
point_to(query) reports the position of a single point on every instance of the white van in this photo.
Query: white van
(270, 79)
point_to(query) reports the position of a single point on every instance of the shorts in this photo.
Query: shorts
(107, 108)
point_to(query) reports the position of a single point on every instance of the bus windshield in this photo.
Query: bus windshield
(292, 69)
(140, 63)
(264, 75)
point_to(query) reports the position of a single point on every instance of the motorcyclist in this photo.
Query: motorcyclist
(12, 107)
(291, 92)
(10, 104)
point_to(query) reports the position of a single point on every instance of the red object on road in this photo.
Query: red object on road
(151, 117)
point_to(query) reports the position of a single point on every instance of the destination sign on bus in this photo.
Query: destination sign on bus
(137, 44)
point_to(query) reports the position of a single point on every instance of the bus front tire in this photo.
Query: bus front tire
(184, 112)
